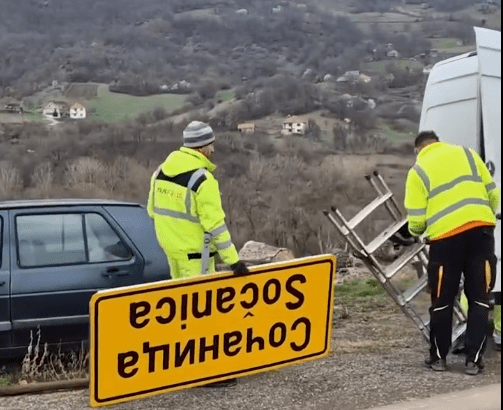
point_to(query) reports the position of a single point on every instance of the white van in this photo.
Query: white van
(462, 104)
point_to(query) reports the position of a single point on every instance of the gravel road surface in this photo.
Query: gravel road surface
(487, 397)
(376, 360)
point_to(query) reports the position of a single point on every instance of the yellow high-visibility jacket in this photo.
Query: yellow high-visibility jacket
(449, 188)
(185, 204)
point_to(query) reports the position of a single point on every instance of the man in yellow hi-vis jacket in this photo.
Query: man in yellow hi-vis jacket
(452, 200)
(185, 204)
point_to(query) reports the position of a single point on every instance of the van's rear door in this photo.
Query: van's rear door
(5, 323)
(462, 104)
(489, 54)
(451, 105)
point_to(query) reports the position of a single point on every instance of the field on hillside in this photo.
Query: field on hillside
(8, 118)
(404, 16)
(82, 91)
(399, 132)
(115, 107)
(381, 66)
(16, 118)
(101, 103)
(451, 45)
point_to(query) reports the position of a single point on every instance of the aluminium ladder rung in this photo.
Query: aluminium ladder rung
(404, 259)
(458, 332)
(415, 289)
(419, 266)
(458, 313)
(376, 203)
(342, 229)
(391, 206)
(383, 237)
(426, 321)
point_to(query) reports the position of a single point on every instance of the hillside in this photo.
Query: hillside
(141, 46)
(145, 69)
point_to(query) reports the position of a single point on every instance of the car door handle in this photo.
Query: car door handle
(114, 272)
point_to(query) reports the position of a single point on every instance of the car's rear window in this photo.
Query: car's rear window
(67, 239)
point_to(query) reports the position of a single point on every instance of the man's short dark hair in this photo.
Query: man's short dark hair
(425, 137)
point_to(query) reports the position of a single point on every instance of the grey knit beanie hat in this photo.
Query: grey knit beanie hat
(197, 135)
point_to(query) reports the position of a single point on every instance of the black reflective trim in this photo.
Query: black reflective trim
(182, 179)
(193, 256)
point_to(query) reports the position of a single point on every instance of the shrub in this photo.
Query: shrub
(40, 364)
(43, 179)
(10, 182)
(85, 171)
(159, 114)
(266, 148)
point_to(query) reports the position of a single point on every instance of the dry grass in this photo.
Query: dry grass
(131, 179)
(347, 169)
(43, 180)
(10, 182)
(123, 179)
(85, 171)
(43, 365)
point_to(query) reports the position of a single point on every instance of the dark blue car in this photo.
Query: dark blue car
(55, 254)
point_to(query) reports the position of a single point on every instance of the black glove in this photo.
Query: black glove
(239, 268)
(403, 237)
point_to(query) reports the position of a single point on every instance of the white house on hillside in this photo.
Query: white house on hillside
(354, 77)
(62, 109)
(77, 111)
(246, 128)
(294, 125)
(57, 109)
(393, 54)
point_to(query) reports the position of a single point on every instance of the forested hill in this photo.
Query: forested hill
(149, 43)
(156, 41)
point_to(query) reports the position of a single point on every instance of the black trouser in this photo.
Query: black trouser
(471, 253)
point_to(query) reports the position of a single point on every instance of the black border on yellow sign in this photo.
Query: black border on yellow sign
(210, 279)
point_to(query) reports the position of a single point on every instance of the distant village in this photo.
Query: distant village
(59, 110)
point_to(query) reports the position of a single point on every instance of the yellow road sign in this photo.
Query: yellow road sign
(166, 336)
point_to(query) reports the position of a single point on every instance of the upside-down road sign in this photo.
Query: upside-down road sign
(166, 336)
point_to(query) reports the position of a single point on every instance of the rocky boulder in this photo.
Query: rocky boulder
(257, 253)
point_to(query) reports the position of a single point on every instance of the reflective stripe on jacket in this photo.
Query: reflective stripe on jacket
(449, 186)
(185, 204)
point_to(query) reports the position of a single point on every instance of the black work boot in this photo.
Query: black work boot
(436, 364)
(473, 368)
